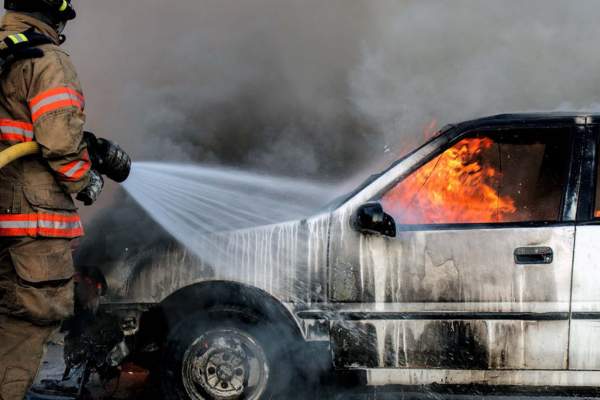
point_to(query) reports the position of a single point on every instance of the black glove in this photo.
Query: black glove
(24, 49)
(108, 158)
(92, 191)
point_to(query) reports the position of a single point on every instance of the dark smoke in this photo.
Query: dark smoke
(312, 87)
(258, 84)
(321, 89)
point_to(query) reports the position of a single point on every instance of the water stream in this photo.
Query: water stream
(191, 202)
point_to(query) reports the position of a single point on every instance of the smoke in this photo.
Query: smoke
(321, 89)
(260, 84)
(315, 88)
(465, 59)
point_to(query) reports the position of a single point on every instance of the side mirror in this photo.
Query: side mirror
(370, 218)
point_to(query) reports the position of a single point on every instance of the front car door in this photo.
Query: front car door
(478, 274)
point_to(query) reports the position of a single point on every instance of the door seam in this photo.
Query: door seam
(571, 297)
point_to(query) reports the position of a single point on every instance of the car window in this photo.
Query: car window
(512, 176)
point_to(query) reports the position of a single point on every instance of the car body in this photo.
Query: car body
(511, 298)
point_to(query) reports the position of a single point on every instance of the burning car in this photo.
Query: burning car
(472, 260)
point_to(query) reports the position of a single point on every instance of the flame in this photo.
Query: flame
(454, 187)
(430, 130)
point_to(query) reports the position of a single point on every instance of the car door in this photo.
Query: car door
(477, 273)
(584, 353)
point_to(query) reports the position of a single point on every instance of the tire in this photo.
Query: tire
(227, 354)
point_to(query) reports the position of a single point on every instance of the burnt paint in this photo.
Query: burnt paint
(442, 344)
(456, 344)
(354, 345)
(450, 344)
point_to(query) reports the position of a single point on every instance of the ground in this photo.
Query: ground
(340, 392)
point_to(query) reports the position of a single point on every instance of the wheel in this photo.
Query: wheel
(226, 354)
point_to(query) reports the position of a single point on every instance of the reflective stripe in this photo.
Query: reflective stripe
(18, 224)
(75, 170)
(55, 99)
(15, 131)
(47, 225)
(59, 225)
(18, 38)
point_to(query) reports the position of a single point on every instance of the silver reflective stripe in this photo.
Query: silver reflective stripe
(41, 224)
(18, 224)
(74, 169)
(54, 99)
(13, 130)
(59, 224)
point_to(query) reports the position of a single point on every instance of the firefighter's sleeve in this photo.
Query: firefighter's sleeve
(56, 104)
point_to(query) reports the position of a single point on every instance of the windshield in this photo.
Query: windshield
(339, 200)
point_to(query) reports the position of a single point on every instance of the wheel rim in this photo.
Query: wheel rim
(225, 364)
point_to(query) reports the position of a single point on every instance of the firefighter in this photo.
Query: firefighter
(41, 100)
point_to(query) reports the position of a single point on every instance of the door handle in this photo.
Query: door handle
(534, 255)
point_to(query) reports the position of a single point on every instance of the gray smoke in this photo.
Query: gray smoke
(322, 89)
(260, 84)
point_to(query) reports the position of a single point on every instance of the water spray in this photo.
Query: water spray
(196, 203)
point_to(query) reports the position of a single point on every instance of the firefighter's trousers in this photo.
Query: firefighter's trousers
(36, 293)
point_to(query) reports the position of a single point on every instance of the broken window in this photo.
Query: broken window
(509, 176)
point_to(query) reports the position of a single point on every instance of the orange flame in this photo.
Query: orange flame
(430, 129)
(454, 187)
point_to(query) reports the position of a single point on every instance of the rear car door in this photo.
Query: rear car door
(584, 352)
(478, 274)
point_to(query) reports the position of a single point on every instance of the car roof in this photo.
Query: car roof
(537, 118)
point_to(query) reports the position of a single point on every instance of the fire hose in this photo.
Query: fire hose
(107, 159)
(106, 156)
(17, 151)
(13, 153)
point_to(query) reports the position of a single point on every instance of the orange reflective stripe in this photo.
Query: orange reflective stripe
(41, 224)
(15, 131)
(14, 232)
(75, 170)
(55, 99)
(18, 225)
(40, 216)
(56, 91)
(60, 233)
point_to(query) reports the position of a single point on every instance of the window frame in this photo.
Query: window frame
(589, 175)
(567, 198)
